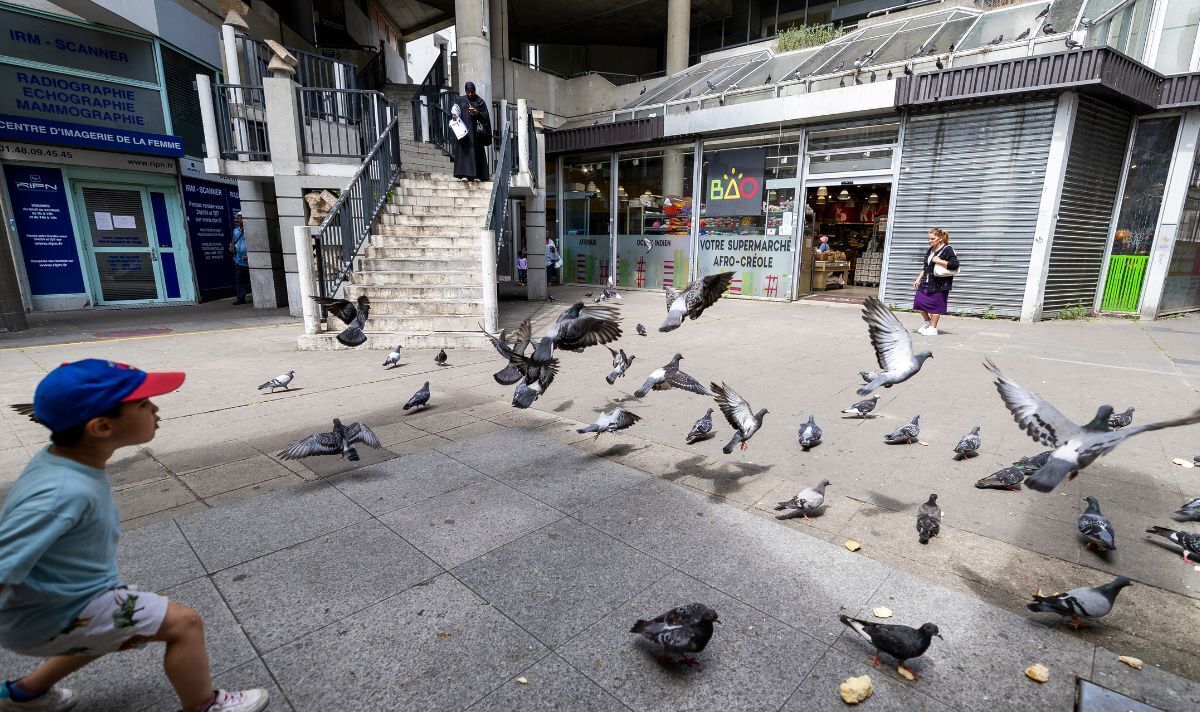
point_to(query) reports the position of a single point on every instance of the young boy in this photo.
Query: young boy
(60, 594)
(522, 266)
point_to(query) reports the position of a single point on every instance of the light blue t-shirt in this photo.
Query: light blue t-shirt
(59, 528)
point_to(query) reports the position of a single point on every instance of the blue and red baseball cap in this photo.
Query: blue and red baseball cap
(74, 393)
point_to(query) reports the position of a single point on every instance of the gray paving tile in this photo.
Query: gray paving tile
(819, 691)
(1150, 685)
(328, 466)
(558, 580)
(151, 496)
(284, 595)
(254, 490)
(457, 526)
(228, 476)
(509, 450)
(251, 675)
(184, 460)
(132, 468)
(751, 662)
(156, 557)
(435, 646)
(171, 514)
(573, 482)
(404, 481)
(551, 684)
(229, 535)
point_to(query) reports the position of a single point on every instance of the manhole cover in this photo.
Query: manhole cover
(145, 331)
(1091, 697)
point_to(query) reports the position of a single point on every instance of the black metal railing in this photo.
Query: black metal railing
(373, 75)
(344, 230)
(341, 123)
(241, 116)
(312, 70)
(434, 90)
(499, 206)
(532, 150)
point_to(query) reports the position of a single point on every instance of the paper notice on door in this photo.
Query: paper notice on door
(104, 221)
(124, 222)
(787, 221)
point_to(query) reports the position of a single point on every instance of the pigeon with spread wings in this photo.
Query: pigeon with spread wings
(354, 314)
(340, 441)
(740, 415)
(893, 347)
(692, 300)
(577, 328)
(669, 376)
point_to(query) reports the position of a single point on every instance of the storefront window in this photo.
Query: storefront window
(748, 213)
(586, 245)
(654, 220)
(1178, 38)
(1125, 31)
(1181, 291)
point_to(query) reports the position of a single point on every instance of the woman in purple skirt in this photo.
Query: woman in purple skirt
(933, 290)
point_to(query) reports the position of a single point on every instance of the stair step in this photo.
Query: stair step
(478, 197)
(409, 278)
(386, 341)
(380, 240)
(461, 211)
(425, 324)
(422, 253)
(398, 265)
(449, 223)
(437, 200)
(418, 293)
(424, 307)
(428, 230)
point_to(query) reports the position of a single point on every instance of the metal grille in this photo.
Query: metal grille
(340, 122)
(1092, 179)
(179, 73)
(241, 122)
(978, 174)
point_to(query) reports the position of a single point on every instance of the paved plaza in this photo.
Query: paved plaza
(483, 545)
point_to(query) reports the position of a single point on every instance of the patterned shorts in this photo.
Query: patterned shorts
(120, 619)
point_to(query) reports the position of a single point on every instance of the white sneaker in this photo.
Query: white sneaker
(56, 699)
(931, 331)
(244, 701)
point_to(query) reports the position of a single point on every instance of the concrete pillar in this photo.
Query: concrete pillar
(293, 213)
(498, 35)
(302, 241)
(1178, 178)
(679, 28)
(673, 170)
(263, 251)
(1043, 234)
(12, 307)
(535, 220)
(474, 46)
(283, 125)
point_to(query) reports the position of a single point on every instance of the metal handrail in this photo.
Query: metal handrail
(373, 75)
(241, 116)
(342, 233)
(312, 70)
(499, 204)
(340, 123)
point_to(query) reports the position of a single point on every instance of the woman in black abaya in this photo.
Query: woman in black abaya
(470, 158)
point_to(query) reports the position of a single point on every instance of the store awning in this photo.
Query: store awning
(620, 133)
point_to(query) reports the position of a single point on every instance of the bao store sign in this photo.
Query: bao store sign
(735, 182)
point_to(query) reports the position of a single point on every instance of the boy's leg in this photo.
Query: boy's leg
(54, 669)
(186, 659)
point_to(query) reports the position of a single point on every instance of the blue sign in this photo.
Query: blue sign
(63, 134)
(209, 208)
(44, 224)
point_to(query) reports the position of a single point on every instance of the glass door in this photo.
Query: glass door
(125, 265)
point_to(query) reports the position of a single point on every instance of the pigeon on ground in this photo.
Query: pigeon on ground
(899, 641)
(701, 429)
(810, 434)
(1075, 447)
(440, 358)
(805, 502)
(420, 398)
(1032, 463)
(353, 314)
(621, 364)
(587, 294)
(610, 422)
(393, 358)
(929, 520)
(692, 300)
(669, 376)
(741, 416)
(681, 630)
(576, 329)
(1189, 512)
(863, 408)
(339, 442)
(1116, 421)
(641, 330)
(280, 381)
(893, 347)
(1009, 478)
(1080, 603)
(1096, 528)
(968, 445)
(905, 434)
(531, 378)
(1189, 542)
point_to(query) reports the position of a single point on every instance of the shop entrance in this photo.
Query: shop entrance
(850, 226)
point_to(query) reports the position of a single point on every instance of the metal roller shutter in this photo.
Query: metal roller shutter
(1093, 177)
(977, 173)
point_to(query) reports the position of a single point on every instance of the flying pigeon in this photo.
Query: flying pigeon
(393, 358)
(611, 421)
(740, 415)
(531, 378)
(621, 364)
(1007, 479)
(576, 329)
(440, 358)
(968, 445)
(863, 408)
(26, 409)
(1072, 44)
(510, 374)
(1189, 512)
(692, 300)
(1075, 447)
(1079, 603)
(353, 314)
(1189, 542)
(1116, 421)
(670, 376)
(339, 442)
(810, 434)
(929, 520)
(681, 630)
(905, 434)
(805, 502)
(647, 241)
(641, 330)
(701, 429)
(1032, 463)
(280, 381)
(587, 294)
(893, 347)
(420, 398)
(899, 641)
(1096, 527)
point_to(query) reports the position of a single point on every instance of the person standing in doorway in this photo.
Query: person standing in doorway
(470, 158)
(241, 265)
(552, 261)
(522, 267)
(935, 281)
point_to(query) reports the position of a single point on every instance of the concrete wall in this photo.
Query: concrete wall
(423, 52)
(365, 32)
(564, 99)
